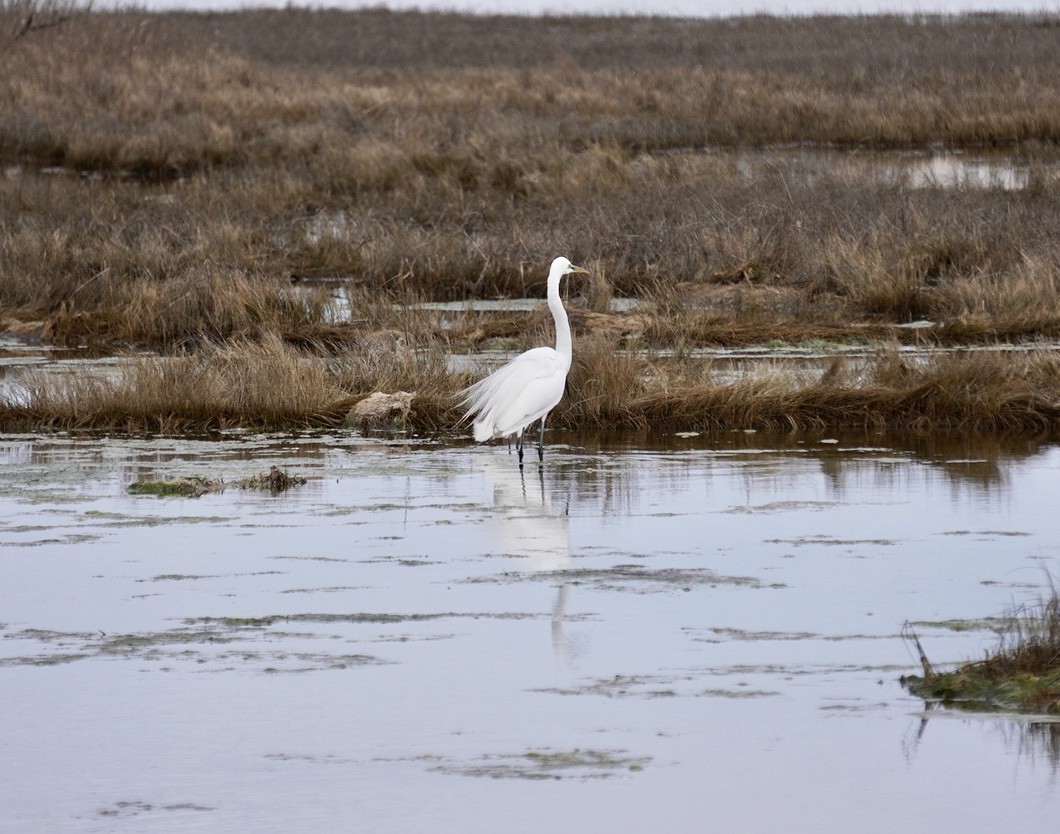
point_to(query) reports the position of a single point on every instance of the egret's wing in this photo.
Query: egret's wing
(517, 393)
(522, 370)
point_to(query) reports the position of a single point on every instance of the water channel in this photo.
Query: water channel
(701, 632)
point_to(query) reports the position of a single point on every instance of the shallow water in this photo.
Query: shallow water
(421, 638)
(939, 169)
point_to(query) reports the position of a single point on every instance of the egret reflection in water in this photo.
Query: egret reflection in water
(527, 524)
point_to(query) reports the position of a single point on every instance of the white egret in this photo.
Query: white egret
(527, 388)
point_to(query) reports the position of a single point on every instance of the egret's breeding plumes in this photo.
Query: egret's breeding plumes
(528, 387)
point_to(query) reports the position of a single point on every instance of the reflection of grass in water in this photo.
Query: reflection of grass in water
(832, 542)
(631, 578)
(307, 757)
(317, 662)
(1037, 739)
(737, 693)
(782, 507)
(741, 634)
(179, 577)
(360, 617)
(641, 686)
(549, 764)
(42, 660)
(137, 643)
(90, 645)
(958, 625)
(182, 642)
(68, 538)
(118, 521)
(653, 686)
(131, 809)
(199, 640)
(985, 533)
(717, 634)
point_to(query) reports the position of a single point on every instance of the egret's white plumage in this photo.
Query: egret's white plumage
(529, 387)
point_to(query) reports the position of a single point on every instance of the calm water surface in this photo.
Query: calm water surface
(699, 630)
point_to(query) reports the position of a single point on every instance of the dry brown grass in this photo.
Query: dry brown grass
(457, 173)
(244, 90)
(210, 159)
(269, 384)
(265, 384)
(980, 391)
(261, 384)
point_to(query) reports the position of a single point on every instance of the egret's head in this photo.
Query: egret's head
(561, 266)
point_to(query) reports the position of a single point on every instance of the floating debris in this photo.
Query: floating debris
(275, 481)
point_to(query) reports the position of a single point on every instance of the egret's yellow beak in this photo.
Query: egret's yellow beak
(572, 269)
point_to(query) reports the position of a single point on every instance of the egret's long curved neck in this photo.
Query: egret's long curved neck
(564, 346)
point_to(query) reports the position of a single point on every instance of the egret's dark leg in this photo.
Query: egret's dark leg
(541, 442)
(519, 446)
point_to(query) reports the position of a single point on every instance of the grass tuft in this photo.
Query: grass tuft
(1022, 673)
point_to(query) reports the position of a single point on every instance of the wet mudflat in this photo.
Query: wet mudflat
(701, 630)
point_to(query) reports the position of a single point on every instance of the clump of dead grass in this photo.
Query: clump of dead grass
(981, 391)
(263, 384)
(254, 384)
(1023, 302)
(604, 386)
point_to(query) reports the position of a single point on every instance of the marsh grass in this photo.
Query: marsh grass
(271, 385)
(1021, 673)
(243, 90)
(316, 142)
(261, 384)
(221, 177)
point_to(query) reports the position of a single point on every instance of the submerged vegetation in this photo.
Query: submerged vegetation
(1022, 673)
(274, 481)
(267, 200)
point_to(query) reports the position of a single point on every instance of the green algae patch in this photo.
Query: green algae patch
(976, 686)
(191, 487)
